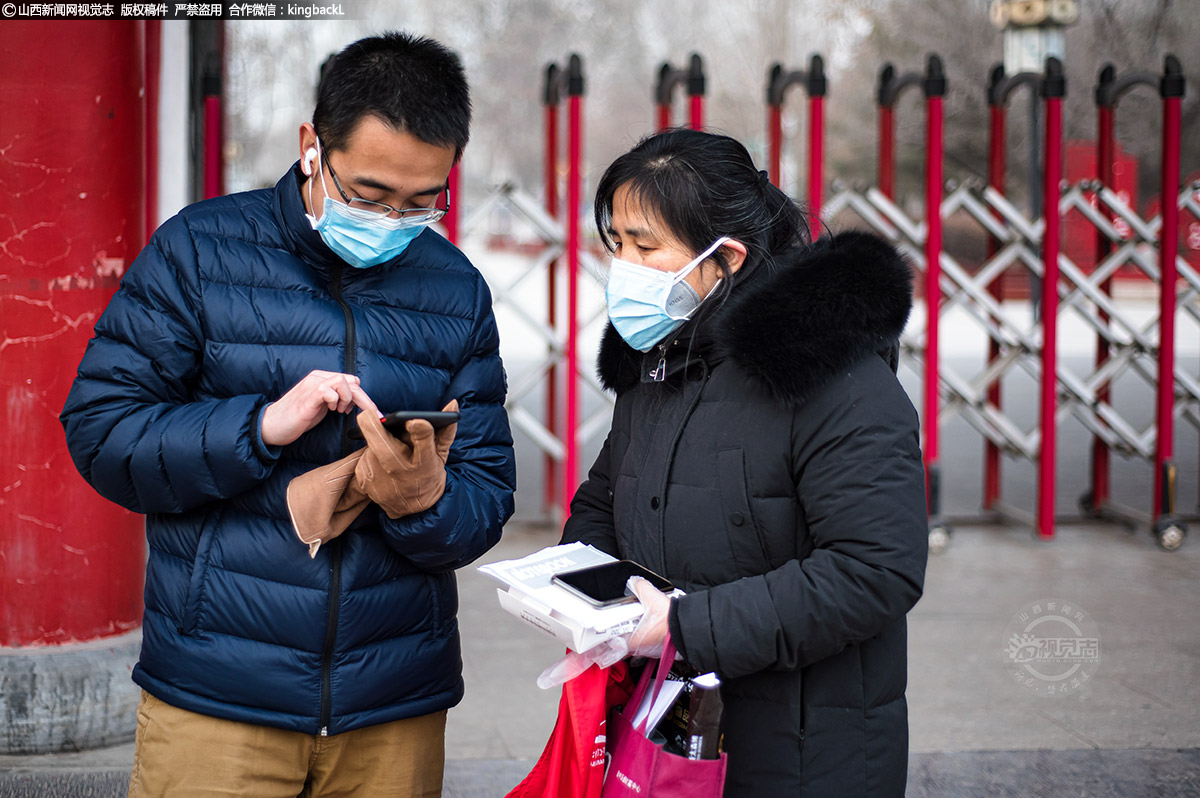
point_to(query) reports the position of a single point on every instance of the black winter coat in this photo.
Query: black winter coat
(775, 476)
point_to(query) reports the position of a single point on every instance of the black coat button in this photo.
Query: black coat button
(737, 519)
(654, 503)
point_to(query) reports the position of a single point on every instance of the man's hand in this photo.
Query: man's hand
(404, 477)
(303, 407)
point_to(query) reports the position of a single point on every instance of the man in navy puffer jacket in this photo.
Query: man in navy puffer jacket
(231, 360)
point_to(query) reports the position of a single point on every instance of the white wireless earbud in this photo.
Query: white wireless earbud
(310, 156)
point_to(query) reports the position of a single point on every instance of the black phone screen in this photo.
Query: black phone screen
(395, 422)
(605, 584)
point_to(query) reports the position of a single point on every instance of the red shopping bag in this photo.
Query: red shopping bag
(572, 763)
(640, 768)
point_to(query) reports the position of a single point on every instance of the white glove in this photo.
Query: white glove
(647, 639)
(605, 654)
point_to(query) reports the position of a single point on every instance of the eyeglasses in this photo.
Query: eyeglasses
(372, 211)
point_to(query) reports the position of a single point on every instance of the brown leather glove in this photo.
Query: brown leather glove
(404, 475)
(325, 501)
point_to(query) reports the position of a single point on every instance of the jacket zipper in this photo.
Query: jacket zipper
(662, 491)
(335, 551)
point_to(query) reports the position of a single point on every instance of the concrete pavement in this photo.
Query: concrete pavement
(981, 723)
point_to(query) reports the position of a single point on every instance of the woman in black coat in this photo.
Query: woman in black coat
(764, 457)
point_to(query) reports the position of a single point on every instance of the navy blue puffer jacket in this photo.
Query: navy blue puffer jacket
(233, 301)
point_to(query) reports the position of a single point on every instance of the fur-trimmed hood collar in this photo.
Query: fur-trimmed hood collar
(792, 329)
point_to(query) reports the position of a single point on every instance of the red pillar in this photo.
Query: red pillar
(72, 217)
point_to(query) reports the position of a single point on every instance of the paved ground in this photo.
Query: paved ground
(1132, 728)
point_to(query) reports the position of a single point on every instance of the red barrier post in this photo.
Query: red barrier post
(551, 100)
(774, 124)
(1105, 158)
(1053, 90)
(1171, 89)
(935, 89)
(886, 164)
(664, 117)
(777, 85)
(152, 65)
(214, 119)
(887, 152)
(816, 141)
(668, 76)
(775, 142)
(891, 86)
(575, 88)
(997, 166)
(696, 92)
(816, 157)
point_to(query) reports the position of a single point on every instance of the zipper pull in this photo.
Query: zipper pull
(659, 374)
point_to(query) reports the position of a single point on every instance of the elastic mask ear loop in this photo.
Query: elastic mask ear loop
(703, 256)
(319, 165)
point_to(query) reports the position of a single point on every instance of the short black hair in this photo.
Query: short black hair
(412, 83)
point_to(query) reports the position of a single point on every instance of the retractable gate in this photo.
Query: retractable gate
(1127, 344)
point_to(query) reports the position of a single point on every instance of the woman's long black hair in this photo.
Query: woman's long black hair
(704, 186)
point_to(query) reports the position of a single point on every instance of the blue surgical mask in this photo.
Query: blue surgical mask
(361, 238)
(646, 305)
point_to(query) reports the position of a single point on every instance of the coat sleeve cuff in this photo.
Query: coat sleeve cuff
(690, 625)
(269, 455)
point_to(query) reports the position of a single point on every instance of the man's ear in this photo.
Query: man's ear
(308, 149)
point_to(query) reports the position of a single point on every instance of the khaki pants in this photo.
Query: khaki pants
(181, 754)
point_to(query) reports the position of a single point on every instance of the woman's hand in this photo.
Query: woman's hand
(647, 639)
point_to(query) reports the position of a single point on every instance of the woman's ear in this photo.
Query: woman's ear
(735, 254)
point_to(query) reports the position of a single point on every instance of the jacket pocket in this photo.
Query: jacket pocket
(764, 734)
(745, 538)
(195, 592)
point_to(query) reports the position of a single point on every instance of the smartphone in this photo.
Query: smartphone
(394, 422)
(604, 585)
